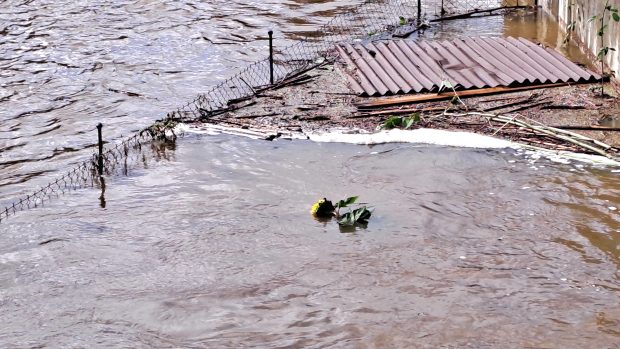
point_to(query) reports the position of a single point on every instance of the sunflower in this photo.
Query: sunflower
(322, 208)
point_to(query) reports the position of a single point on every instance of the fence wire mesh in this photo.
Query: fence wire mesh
(371, 17)
(83, 175)
(368, 18)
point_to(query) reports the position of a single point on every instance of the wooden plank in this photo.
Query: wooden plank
(588, 128)
(396, 112)
(413, 99)
(475, 12)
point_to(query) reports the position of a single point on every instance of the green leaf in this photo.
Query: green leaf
(408, 122)
(602, 53)
(360, 215)
(390, 123)
(592, 18)
(402, 20)
(615, 16)
(416, 117)
(347, 219)
(348, 201)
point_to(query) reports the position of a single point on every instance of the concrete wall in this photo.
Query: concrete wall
(585, 33)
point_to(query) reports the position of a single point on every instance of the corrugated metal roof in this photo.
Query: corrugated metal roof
(405, 66)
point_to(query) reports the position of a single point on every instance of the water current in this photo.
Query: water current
(213, 246)
(210, 243)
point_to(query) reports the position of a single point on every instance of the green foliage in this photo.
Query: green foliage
(357, 216)
(399, 122)
(603, 52)
(402, 20)
(608, 13)
(347, 202)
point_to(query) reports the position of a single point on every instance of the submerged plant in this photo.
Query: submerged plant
(357, 216)
(325, 209)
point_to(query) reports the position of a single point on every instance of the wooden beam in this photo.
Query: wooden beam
(413, 99)
(588, 128)
(475, 12)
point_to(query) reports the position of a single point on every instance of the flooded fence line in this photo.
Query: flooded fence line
(365, 20)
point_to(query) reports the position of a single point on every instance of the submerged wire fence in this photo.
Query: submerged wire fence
(365, 20)
(371, 17)
(84, 175)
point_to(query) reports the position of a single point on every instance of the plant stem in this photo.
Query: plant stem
(602, 57)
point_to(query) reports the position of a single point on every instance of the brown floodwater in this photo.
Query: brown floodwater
(208, 243)
(212, 246)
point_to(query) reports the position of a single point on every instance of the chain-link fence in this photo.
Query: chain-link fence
(84, 175)
(371, 17)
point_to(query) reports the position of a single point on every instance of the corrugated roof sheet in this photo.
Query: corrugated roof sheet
(405, 66)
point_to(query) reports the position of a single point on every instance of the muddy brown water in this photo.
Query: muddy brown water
(212, 246)
(466, 249)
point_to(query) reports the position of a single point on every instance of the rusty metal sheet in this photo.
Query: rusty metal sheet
(404, 66)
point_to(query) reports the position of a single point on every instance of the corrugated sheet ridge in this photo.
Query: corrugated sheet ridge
(405, 66)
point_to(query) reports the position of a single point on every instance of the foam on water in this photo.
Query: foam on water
(418, 136)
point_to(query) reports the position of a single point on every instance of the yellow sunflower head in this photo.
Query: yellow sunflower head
(322, 208)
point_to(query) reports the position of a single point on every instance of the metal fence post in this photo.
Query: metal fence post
(100, 157)
(419, 11)
(270, 56)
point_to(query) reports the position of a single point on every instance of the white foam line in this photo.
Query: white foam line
(453, 139)
(420, 136)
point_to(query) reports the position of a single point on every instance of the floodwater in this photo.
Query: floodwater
(212, 246)
(209, 243)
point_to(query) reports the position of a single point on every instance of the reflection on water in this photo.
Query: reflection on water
(529, 24)
(212, 246)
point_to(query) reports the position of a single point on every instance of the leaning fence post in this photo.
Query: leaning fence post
(100, 157)
(270, 56)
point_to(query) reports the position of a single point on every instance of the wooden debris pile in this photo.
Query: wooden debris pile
(522, 117)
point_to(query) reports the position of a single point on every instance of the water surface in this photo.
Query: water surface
(212, 246)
